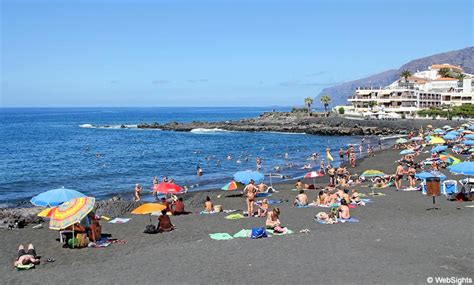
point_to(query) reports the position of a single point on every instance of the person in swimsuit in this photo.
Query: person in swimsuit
(322, 199)
(301, 199)
(332, 173)
(26, 257)
(322, 169)
(411, 175)
(164, 223)
(178, 207)
(343, 210)
(262, 187)
(137, 194)
(198, 171)
(249, 191)
(263, 208)
(399, 176)
(273, 219)
(208, 206)
(299, 185)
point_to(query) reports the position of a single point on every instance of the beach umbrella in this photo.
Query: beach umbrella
(429, 126)
(450, 137)
(465, 125)
(429, 174)
(439, 131)
(456, 133)
(166, 188)
(71, 212)
(446, 127)
(232, 185)
(46, 213)
(468, 142)
(55, 197)
(401, 141)
(439, 148)
(407, 151)
(469, 136)
(471, 127)
(247, 175)
(466, 168)
(313, 174)
(148, 209)
(372, 173)
(437, 141)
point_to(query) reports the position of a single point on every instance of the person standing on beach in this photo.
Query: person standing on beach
(361, 149)
(399, 176)
(249, 192)
(137, 194)
(380, 143)
(353, 159)
(322, 168)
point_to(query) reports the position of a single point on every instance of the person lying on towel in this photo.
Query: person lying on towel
(26, 257)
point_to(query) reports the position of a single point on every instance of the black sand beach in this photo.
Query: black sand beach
(397, 241)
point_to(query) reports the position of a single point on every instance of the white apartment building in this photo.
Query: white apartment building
(423, 89)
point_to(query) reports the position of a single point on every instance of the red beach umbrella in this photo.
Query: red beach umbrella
(166, 188)
(313, 174)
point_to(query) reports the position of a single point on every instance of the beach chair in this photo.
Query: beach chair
(62, 235)
(449, 188)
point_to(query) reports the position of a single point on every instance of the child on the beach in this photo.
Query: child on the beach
(273, 219)
(263, 208)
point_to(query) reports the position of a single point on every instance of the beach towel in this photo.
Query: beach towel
(470, 206)
(286, 231)
(234, 216)
(411, 189)
(272, 202)
(119, 221)
(259, 195)
(220, 236)
(229, 211)
(207, 213)
(350, 220)
(243, 234)
(367, 200)
(376, 194)
(25, 266)
(302, 206)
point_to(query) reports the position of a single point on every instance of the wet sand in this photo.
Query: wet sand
(397, 241)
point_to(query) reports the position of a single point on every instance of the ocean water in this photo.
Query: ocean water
(42, 149)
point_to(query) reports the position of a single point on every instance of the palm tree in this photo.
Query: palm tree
(308, 102)
(405, 74)
(325, 99)
(444, 72)
(461, 77)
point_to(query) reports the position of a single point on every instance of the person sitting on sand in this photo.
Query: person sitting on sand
(178, 207)
(322, 199)
(208, 206)
(343, 210)
(326, 218)
(262, 187)
(273, 219)
(164, 223)
(263, 208)
(137, 194)
(301, 199)
(249, 192)
(165, 203)
(26, 257)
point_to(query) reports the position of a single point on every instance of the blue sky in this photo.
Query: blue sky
(211, 53)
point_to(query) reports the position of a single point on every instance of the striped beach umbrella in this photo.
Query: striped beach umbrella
(232, 185)
(71, 212)
(46, 213)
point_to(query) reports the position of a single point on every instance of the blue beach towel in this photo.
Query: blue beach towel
(351, 220)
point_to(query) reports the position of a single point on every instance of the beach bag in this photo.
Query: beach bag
(82, 240)
(278, 230)
(150, 229)
(258, 233)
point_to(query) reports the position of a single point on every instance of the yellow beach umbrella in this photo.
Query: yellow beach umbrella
(46, 213)
(437, 140)
(148, 208)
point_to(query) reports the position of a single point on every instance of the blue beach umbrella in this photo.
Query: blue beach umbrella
(245, 176)
(439, 148)
(471, 127)
(469, 142)
(406, 151)
(450, 137)
(55, 197)
(466, 168)
(429, 174)
(439, 131)
(456, 133)
(469, 136)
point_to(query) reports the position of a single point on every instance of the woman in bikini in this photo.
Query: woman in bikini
(343, 211)
(249, 191)
(399, 176)
(411, 176)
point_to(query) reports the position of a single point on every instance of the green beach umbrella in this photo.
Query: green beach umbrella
(372, 173)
